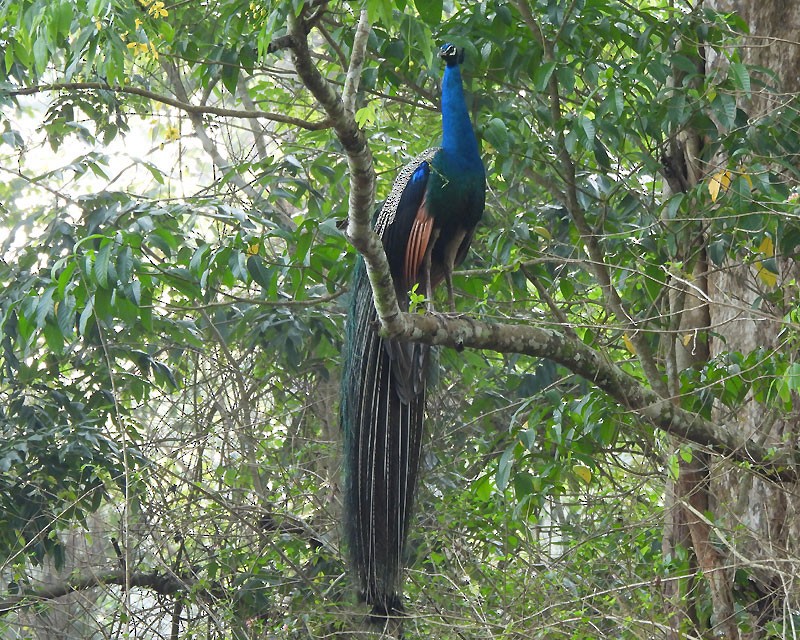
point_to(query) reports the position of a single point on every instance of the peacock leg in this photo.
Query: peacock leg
(450, 253)
(426, 270)
(448, 281)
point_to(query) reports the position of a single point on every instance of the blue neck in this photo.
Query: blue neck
(458, 138)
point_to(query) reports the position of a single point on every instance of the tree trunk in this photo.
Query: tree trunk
(756, 524)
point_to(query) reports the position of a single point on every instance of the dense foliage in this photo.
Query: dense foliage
(174, 286)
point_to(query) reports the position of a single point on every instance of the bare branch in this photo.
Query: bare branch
(557, 311)
(222, 163)
(36, 182)
(256, 129)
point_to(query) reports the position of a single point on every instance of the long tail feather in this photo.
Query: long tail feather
(382, 409)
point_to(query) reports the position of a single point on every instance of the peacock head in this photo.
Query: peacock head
(451, 54)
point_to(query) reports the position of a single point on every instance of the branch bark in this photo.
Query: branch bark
(353, 79)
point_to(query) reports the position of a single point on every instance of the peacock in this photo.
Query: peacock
(426, 225)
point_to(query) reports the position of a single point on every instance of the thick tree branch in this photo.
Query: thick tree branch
(359, 161)
(594, 366)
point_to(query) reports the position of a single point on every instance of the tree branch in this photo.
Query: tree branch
(163, 583)
(595, 367)
(356, 64)
(178, 104)
(359, 161)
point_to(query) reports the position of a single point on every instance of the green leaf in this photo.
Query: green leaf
(496, 134)
(541, 76)
(430, 11)
(9, 58)
(566, 78)
(684, 63)
(86, 315)
(101, 263)
(504, 467)
(154, 171)
(62, 20)
(134, 292)
(124, 268)
(601, 155)
(589, 131)
(740, 77)
(197, 263)
(53, 338)
(792, 377)
(230, 71)
(302, 247)
(146, 309)
(717, 251)
(40, 56)
(724, 107)
(617, 100)
(523, 485)
(482, 488)
(164, 374)
(65, 315)
(238, 266)
(672, 206)
(259, 273)
(366, 115)
(45, 306)
(380, 10)
(102, 304)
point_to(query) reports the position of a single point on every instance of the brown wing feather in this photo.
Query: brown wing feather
(417, 245)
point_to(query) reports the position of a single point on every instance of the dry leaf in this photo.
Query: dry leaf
(719, 182)
(628, 344)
